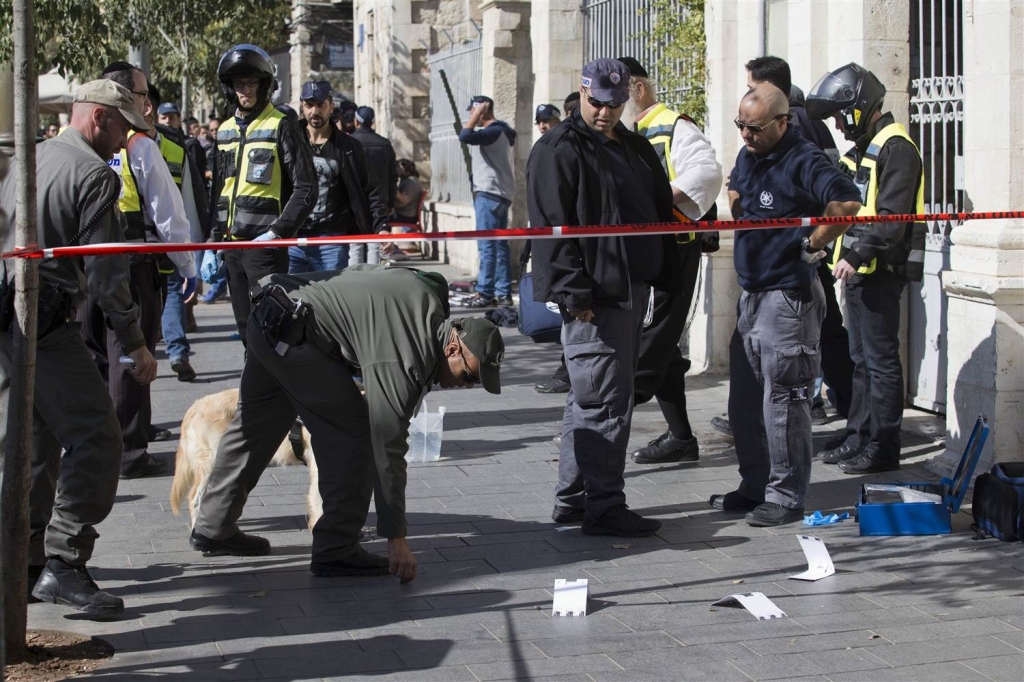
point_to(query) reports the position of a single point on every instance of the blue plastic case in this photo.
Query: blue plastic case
(925, 518)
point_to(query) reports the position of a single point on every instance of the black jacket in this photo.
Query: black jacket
(364, 199)
(383, 166)
(570, 183)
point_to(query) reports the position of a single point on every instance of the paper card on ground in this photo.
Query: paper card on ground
(755, 602)
(819, 563)
(571, 597)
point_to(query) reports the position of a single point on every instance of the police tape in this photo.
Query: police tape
(557, 232)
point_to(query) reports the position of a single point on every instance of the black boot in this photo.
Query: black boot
(359, 563)
(622, 522)
(62, 583)
(870, 461)
(239, 544)
(666, 448)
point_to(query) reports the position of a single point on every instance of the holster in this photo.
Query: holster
(281, 319)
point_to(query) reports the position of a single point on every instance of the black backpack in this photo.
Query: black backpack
(998, 505)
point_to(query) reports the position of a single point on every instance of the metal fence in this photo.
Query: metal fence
(463, 65)
(621, 28)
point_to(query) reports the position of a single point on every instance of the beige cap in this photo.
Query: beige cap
(109, 93)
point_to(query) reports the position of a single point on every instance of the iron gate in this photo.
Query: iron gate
(936, 118)
(463, 65)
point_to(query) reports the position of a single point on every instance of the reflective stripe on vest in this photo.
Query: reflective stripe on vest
(658, 126)
(250, 200)
(866, 179)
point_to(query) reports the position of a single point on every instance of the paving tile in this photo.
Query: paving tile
(455, 673)
(980, 608)
(595, 644)
(999, 668)
(932, 672)
(462, 653)
(947, 629)
(740, 631)
(956, 649)
(852, 639)
(544, 667)
(321, 662)
(674, 664)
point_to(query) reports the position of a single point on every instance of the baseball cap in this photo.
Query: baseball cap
(477, 99)
(607, 79)
(546, 111)
(484, 341)
(365, 115)
(167, 108)
(109, 93)
(635, 68)
(317, 91)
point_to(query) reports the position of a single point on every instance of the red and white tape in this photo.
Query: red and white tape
(556, 232)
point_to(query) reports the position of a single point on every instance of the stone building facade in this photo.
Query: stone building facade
(964, 341)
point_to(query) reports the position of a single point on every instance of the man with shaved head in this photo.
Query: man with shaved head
(76, 203)
(773, 355)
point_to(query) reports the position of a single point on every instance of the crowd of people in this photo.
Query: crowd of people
(314, 318)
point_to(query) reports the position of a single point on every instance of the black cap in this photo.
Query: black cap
(477, 99)
(315, 91)
(484, 341)
(546, 111)
(635, 68)
(607, 79)
(365, 115)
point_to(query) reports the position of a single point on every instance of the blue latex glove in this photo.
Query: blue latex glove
(819, 519)
(188, 288)
(211, 265)
(266, 236)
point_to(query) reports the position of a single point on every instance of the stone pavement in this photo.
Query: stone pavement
(925, 608)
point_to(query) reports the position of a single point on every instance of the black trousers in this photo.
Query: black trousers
(836, 365)
(132, 401)
(876, 411)
(245, 268)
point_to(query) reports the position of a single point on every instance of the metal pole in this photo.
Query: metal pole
(19, 444)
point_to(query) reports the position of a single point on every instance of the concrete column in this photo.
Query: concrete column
(507, 78)
(556, 31)
(985, 282)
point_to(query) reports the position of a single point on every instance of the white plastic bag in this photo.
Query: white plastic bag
(426, 430)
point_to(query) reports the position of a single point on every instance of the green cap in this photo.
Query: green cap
(484, 341)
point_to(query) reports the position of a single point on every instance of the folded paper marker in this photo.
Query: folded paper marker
(570, 597)
(819, 563)
(755, 602)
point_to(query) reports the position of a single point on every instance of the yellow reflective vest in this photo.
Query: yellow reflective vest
(865, 176)
(250, 165)
(658, 127)
(130, 202)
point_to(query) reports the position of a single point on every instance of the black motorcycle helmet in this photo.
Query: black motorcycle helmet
(243, 61)
(853, 91)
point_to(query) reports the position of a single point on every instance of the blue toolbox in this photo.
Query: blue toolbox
(920, 508)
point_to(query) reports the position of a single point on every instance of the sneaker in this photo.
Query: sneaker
(839, 454)
(239, 544)
(62, 583)
(621, 522)
(818, 415)
(212, 296)
(361, 563)
(552, 385)
(721, 424)
(870, 461)
(183, 368)
(505, 301)
(146, 465)
(772, 514)
(733, 502)
(481, 301)
(667, 448)
(566, 515)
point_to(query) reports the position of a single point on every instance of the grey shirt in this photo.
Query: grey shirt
(492, 148)
(76, 190)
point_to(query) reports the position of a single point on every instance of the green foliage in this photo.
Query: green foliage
(677, 40)
(80, 37)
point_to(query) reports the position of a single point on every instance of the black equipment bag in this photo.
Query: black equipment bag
(540, 321)
(998, 505)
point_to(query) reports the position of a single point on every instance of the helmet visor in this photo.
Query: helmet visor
(828, 95)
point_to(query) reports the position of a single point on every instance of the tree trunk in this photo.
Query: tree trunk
(19, 446)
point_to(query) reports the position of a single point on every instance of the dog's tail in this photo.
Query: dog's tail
(184, 476)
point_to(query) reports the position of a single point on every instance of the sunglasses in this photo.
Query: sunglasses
(757, 129)
(598, 104)
(140, 94)
(466, 376)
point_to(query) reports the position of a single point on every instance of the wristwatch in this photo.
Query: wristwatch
(806, 244)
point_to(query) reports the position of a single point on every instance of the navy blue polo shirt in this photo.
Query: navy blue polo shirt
(793, 180)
